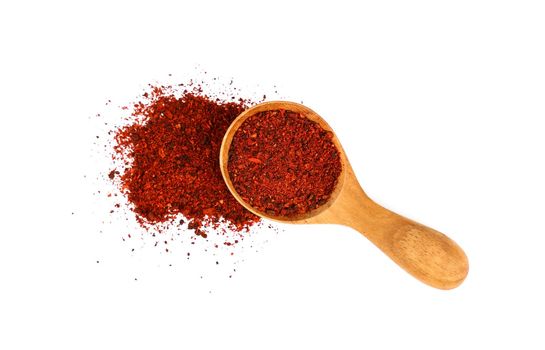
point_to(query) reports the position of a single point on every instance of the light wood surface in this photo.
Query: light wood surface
(425, 253)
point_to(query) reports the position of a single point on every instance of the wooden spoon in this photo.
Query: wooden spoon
(425, 253)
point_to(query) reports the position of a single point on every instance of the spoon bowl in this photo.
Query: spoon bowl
(425, 253)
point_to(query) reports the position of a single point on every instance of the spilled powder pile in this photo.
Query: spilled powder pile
(170, 154)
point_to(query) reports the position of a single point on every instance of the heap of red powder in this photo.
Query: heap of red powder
(283, 164)
(170, 150)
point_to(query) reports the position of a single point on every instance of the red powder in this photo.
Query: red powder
(171, 151)
(283, 164)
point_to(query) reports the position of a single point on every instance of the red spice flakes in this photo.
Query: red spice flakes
(170, 149)
(283, 164)
(112, 174)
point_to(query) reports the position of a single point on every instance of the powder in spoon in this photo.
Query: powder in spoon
(283, 164)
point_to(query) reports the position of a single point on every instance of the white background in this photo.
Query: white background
(439, 106)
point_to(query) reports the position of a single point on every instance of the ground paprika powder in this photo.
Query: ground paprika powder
(170, 150)
(282, 163)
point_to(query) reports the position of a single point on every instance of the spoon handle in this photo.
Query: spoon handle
(425, 253)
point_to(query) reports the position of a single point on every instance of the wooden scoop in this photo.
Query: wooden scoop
(425, 253)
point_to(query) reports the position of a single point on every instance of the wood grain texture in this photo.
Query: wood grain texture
(425, 253)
